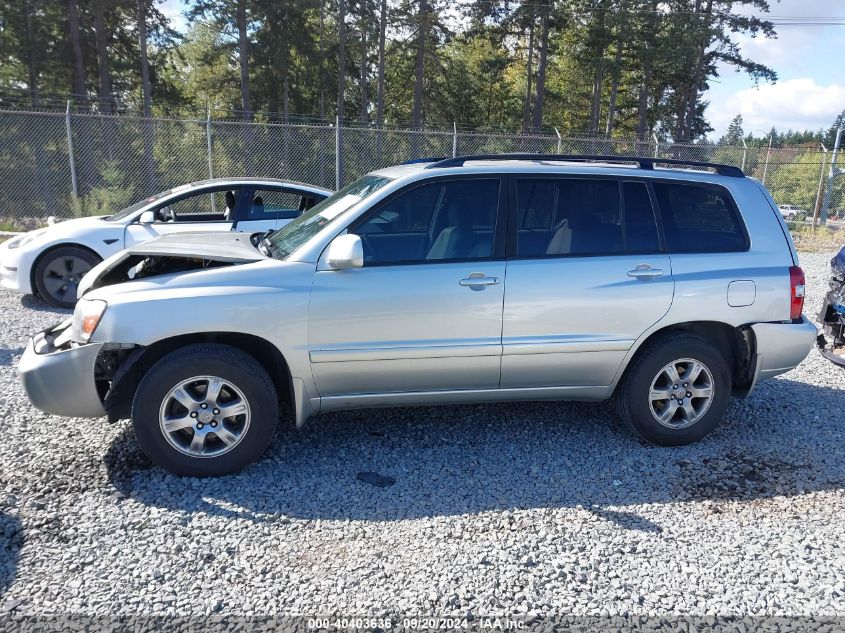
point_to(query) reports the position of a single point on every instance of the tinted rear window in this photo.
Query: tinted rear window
(574, 216)
(699, 219)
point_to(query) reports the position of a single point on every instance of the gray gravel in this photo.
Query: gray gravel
(502, 509)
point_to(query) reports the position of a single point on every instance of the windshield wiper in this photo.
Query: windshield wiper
(266, 246)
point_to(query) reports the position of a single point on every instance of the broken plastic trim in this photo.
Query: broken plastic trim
(835, 355)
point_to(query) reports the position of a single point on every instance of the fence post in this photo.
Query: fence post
(656, 145)
(454, 139)
(74, 185)
(818, 206)
(338, 160)
(558, 140)
(210, 154)
(833, 173)
(744, 153)
(768, 154)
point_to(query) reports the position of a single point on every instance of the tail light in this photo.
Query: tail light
(796, 292)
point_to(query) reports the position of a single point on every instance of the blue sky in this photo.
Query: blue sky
(809, 60)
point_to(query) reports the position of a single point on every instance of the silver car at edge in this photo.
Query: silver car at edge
(471, 279)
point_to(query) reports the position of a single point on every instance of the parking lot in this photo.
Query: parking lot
(496, 509)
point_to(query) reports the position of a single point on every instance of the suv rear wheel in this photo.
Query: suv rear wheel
(676, 390)
(205, 410)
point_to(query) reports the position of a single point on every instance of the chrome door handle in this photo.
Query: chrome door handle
(476, 281)
(644, 271)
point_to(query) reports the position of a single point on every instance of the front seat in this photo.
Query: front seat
(561, 238)
(457, 240)
(230, 205)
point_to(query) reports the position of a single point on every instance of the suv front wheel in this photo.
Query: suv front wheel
(205, 410)
(676, 390)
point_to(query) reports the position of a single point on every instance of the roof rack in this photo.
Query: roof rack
(642, 161)
(415, 161)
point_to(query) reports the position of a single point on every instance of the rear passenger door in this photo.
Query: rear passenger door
(587, 274)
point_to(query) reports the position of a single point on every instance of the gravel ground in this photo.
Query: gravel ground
(497, 509)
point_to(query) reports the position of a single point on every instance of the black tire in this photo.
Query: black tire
(633, 401)
(60, 268)
(205, 359)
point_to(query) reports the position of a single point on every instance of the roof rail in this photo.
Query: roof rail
(415, 161)
(642, 161)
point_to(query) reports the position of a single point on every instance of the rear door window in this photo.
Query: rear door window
(580, 216)
(699, 218)
(267, 204)
(640, 225)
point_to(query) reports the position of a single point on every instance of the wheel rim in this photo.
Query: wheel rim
(681, 393)
(204, 416)
(62, 276)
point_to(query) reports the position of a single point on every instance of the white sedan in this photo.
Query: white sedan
(51, 261)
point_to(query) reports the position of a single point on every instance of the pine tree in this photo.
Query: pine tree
(734, 134)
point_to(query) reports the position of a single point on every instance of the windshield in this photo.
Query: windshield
(120, 215)
(294, 234)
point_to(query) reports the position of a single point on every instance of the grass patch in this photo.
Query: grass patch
(822, 239)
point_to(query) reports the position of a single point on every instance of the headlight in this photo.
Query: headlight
(86, 318)
(26, 238)
(15, 241)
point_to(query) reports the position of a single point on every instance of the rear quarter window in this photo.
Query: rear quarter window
(699, 218)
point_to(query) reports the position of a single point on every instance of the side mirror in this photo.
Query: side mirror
(345, 251)
(147, 217)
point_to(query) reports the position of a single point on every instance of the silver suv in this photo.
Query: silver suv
(470, 279)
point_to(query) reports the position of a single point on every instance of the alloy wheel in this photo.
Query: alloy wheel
(681, 393)
(204, 416)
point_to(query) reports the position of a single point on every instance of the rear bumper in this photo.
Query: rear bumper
(780, 347)
(61, 380)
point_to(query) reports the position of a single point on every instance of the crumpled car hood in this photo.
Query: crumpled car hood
(229, 247)
(203, 249)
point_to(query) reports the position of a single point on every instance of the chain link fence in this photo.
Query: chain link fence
(64, 164)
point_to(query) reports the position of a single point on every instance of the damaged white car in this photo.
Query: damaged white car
(51, 261)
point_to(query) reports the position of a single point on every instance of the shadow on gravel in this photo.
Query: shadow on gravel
(7, 355)
(11, 540)
(468, 459)
(37, 303)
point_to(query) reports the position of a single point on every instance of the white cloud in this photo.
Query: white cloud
(795, 103)
(174, 11)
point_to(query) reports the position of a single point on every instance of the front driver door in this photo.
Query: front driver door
(425, 311)
(205, 210)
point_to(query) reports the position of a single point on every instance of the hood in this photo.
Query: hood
(80, 226)
(79, 223)
(224, 247)
(171, 254)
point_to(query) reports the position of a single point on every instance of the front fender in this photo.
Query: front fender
(270, 303)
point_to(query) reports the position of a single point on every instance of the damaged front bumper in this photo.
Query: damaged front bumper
(59, 377)
(831, 342)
